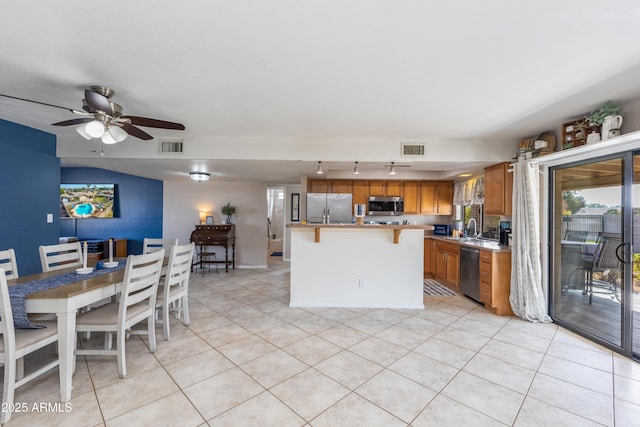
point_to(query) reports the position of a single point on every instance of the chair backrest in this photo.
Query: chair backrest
(55, 257)
(6, 319)
(8, 263)
(179, 270)
(606, 257)
(152, 245)
(140, 283)
(576, 235)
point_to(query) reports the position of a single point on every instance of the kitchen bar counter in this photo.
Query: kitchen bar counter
(397, 229)
(355, 265)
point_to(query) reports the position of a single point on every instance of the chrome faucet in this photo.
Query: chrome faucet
(475, 227)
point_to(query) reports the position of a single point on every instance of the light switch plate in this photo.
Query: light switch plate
(49, 218)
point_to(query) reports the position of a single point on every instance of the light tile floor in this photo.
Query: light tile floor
(247, 359)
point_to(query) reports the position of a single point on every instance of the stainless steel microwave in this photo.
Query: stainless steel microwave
(388, 206)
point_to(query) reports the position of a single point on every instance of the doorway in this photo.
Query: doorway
(595, 272)
(275, 219)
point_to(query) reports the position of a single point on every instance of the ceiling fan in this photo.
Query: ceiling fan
(103, 118)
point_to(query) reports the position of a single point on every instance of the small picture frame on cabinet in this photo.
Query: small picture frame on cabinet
(209, 220)
(295, 207)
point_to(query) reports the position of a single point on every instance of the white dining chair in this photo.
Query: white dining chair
(64, 255)
(151, 245)
(17, 343)
(173, 293)
(8, 263)
(137, 303)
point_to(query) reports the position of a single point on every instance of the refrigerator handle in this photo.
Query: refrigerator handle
(328, 217)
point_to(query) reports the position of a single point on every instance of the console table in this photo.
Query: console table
(205, 236)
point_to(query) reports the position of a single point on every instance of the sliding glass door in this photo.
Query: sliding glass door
(593, 279)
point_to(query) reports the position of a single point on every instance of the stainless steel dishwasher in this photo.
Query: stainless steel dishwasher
(470, 272)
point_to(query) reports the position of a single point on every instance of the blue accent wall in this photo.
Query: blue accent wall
(29, 190)
(137, 210)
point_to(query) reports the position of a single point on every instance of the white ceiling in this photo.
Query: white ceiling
(268, 88)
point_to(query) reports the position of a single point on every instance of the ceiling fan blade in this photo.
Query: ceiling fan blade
(73, 122)
(98, 102)
(44, 103)
(153, 123)
(134, 131)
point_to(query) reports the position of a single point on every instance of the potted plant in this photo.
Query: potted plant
(608, 109)
(228, 210)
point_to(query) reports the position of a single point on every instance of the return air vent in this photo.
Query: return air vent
(171, 146)
(412, 149)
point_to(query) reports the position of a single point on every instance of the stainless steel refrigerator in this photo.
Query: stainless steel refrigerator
(329, 208)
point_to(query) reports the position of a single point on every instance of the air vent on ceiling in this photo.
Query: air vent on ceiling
(412, 149)
(171, 146)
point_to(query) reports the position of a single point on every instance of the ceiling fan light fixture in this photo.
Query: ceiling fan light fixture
(356, 169)
(199, 176)
(108, 139)
(80, 129)
(319, 170)
(117, 133)
(95, 128)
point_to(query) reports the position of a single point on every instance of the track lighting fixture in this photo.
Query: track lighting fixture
(356, 169)
(319, 170)
(392, 169)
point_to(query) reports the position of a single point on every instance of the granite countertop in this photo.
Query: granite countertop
(491, 245)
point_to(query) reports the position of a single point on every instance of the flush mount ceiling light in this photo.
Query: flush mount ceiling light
(319, 170)
(199, 176)
(392, 168)
(356, 169)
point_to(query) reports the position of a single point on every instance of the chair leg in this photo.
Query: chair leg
(122, 360)
(8, 390)
(185, 310)
(20, 368)
(165, 322)
(151, 330)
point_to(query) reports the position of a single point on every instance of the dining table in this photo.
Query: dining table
(64, 301)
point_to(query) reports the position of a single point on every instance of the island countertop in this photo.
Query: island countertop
(372, 226)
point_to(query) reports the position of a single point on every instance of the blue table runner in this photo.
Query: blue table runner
(18, 293)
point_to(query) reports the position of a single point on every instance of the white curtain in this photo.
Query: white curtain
(469, 192)
(527, 298)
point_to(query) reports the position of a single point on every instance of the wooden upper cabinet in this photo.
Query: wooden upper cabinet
(394, 189)
(385, 188)
(436, 197)
(411, 194)
(318, 186)
(428, 201)
(377, 188)
(498, 187)
(341, 186)
(329, 186)
(361, 193)
(445, 197)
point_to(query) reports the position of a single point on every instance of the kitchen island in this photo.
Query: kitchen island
(351, 265)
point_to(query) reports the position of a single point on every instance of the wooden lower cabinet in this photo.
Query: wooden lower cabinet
(495, 281)
(429, 257)
(447, 263)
